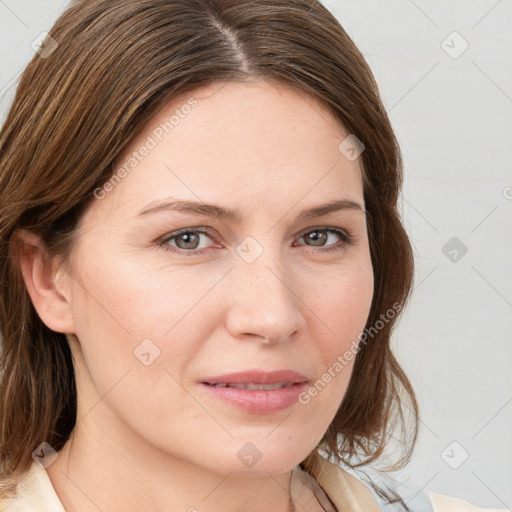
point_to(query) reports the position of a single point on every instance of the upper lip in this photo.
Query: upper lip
(258, 377)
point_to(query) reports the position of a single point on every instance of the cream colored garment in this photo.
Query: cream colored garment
(441, 503)
(350, 495)
(343, 491)
(35, 493)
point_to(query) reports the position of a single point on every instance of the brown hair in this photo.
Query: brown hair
(116, 63)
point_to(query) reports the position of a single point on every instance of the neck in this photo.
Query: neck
(122, 472)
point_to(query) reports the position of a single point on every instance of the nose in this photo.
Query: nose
(265, 304)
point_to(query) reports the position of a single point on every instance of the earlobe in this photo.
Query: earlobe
(50, 299)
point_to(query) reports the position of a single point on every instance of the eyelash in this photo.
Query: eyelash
(346, 240)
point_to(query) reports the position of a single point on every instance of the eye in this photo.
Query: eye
(187, 241)
(320, 235)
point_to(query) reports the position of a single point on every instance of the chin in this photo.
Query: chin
(258, 456)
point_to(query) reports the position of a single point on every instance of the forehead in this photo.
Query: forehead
(236, 144)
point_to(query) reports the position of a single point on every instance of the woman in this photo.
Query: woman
(202, 263)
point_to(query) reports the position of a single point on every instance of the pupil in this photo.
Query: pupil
(317, 236)
(188, 238)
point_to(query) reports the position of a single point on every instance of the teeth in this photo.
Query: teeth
(250, 385)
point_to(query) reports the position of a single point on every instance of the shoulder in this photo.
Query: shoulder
(349, 493)
(344, 489)
(34, 492)
(442, 503)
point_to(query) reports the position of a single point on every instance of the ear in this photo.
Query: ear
(47, 282)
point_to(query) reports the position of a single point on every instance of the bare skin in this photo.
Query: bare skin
(151, 437)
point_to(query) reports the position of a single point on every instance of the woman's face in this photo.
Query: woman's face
(267, 288)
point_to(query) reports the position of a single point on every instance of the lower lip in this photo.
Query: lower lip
(258, 401)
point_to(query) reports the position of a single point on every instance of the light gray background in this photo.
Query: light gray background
(453, 118)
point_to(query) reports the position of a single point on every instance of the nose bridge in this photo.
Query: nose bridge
(264, 298)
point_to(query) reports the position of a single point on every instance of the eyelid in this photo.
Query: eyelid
(334, 229)
(173, 234)
(347, 238)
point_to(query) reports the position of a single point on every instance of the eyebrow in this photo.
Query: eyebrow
(222, 213)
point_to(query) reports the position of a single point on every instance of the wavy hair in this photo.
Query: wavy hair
(114, 63)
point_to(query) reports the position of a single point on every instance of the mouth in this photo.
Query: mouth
(278, 379)
(251, 385)
(257, 392)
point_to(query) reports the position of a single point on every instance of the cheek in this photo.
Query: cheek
(125, 357)
(342, 301)
(340, 312)
(145, 323)
(138, 297)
